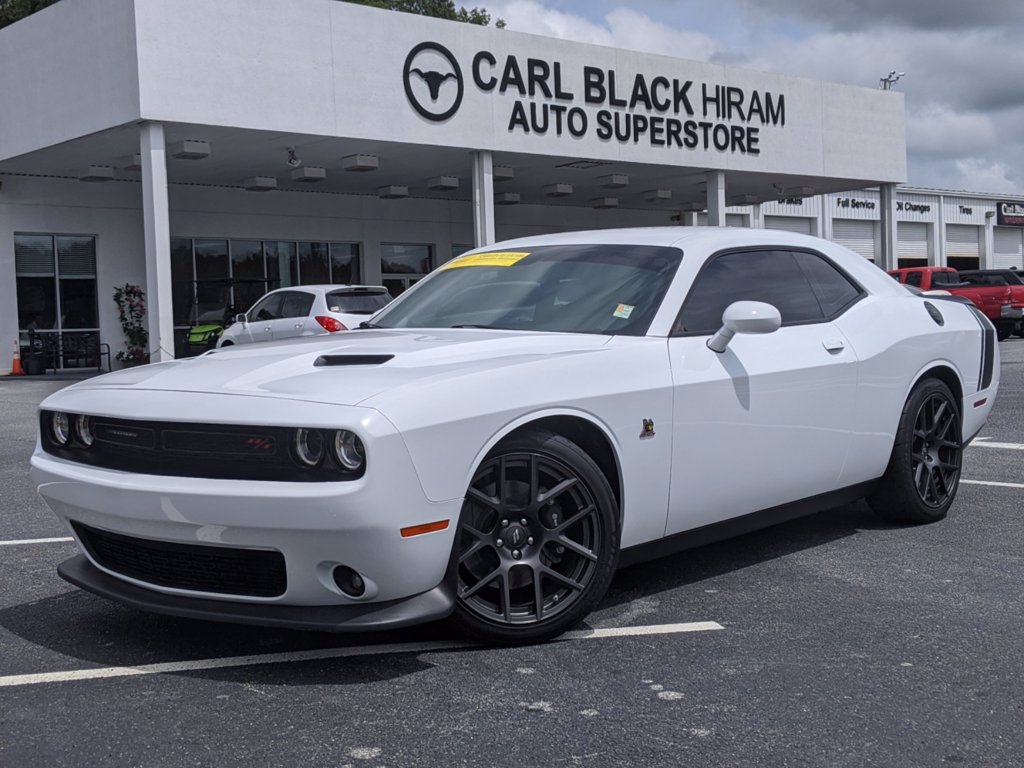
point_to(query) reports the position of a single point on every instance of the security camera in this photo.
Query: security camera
(293, 159)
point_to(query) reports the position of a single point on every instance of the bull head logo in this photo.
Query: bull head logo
(434, 65)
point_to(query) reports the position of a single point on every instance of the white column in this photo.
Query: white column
(939, 235)
(887, 199)
(483, 198)
(156, 224)
(756, 216)
(988, 251)
(716, 198)
(825, 230)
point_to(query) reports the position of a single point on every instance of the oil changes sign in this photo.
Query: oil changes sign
(544, 98)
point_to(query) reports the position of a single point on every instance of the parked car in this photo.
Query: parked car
(1010, 277)
(1001, 304)
(525, 420)
(305, 310)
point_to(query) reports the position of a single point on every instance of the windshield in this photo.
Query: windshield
(607, 289)
(357, 302)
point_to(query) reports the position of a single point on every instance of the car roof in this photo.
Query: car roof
(325, 288)
(677, 236)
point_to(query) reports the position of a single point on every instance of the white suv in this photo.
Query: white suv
(305, 310)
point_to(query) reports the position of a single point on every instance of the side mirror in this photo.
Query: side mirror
(240, 318)
(745, 317)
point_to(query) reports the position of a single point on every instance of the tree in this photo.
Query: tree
(13, 10)
(440, 9)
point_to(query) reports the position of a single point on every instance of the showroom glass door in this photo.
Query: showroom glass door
(402, 265)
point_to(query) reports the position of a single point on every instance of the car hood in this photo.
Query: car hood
(348, 368)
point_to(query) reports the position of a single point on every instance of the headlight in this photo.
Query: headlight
(348, 450)
(83, 426)
(60, 428)
(309, 447)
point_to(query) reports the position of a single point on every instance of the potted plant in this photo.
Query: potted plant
(131, 310)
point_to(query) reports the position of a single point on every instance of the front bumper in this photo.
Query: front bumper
(315, 526)
(436, 603)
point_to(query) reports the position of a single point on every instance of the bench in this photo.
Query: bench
(70, 349)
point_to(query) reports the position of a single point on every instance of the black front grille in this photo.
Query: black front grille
(217, 451)
(196, 567)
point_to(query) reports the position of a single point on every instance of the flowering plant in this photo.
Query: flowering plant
(131, 309)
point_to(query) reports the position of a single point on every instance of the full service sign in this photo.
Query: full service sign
(644, 108)
(1010, 214)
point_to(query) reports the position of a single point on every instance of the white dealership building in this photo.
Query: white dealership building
(210, 151)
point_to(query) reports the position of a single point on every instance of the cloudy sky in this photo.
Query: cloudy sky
(963, 59)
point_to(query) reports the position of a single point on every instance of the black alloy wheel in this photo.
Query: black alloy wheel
(537, 542)
(923, 475)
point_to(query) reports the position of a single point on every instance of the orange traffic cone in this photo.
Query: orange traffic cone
(16, 364)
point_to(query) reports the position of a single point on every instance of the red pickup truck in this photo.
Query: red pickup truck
(1002, 304)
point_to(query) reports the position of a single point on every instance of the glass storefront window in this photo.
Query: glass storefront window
(345, 263)
(183, 296)
(247, 273)
(282, 266)
(314, 264)
(405, 258)
(55, 279)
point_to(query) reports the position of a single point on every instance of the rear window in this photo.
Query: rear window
(357, 302)
(945, 278)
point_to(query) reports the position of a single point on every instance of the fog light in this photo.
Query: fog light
(309, 447)
(60, 428)
(348, 450)
(83, 425)
(348, 581)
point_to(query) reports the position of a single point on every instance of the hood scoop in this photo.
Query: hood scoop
(334, 361)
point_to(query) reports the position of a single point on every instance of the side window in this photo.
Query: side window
(773, 277)
(267, 308)
(296, 304)
(914, 278)
(945, 278)
(835, 291)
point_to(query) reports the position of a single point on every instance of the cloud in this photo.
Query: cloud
(874, 14)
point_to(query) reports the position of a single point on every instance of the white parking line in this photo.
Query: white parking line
(992, 482)
(16, 542)
(984, 442)
(330, 653)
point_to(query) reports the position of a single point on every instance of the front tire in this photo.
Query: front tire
(923, 475)
(538, 541)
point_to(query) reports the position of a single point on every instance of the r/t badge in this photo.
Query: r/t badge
(648, 431)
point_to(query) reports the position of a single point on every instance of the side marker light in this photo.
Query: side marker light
(417, 530)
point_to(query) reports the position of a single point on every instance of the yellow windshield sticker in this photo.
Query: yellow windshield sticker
(495, 259)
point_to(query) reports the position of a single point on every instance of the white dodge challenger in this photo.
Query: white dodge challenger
(500, 439)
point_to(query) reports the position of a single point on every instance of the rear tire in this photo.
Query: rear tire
(1003, 331)
(538, 541)
(923, 475)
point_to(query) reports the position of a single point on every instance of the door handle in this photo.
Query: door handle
(833, 344)
(298, 325)
(266, 328)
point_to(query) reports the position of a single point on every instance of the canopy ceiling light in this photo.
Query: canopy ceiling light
(189, 149)
(260, 183)
(798, 192)
(604, 202)
(443, 183)
(504, 173)
(507, 198)
(309, 173)
(657, 195)
(692, 207)
(614, 180)
(558, 190)
(360, 163)
(130, 163)
(96, 173)
(392, 191)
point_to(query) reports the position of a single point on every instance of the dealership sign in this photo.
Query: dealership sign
(1010, 214)
(544, 98)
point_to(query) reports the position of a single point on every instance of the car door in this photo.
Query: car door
(769, 420)
(259, 324)
(295, 307)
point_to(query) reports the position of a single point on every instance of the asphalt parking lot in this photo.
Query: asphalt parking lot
(829, 641)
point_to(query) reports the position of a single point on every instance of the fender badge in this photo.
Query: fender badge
(648, 431)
